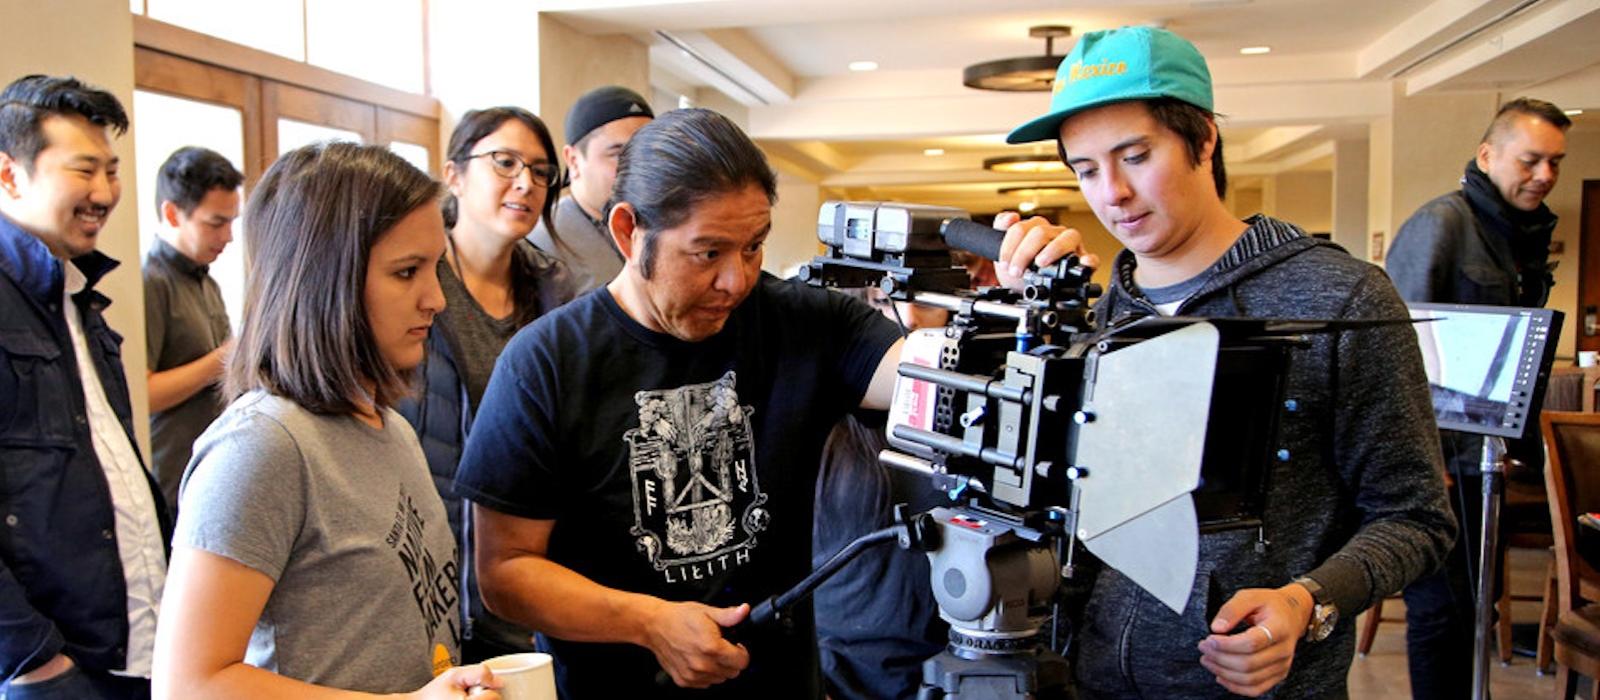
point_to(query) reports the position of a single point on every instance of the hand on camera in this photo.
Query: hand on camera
(1256, 658)
(476, 682)
(687, 640)
(1036, 242)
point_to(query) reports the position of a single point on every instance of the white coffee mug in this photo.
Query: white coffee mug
(1586, 358)
(529, 676)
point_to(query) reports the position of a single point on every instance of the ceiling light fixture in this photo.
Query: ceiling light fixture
(1027, 206)
(933, 151)
(1255, 50)
(863, 66)
(1033, 163)
(1573, 112)
(1036, 191)
(1024, 74)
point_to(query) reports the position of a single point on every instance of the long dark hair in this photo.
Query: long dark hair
(310, 226)
(478, 123)
(679, 160)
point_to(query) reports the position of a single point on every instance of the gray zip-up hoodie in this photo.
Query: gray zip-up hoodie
(1359, 506)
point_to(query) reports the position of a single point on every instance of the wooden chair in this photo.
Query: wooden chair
(1572, 478)
(1525, 524)
(1515, 534)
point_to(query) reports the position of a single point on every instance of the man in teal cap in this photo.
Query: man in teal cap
(1356, 505)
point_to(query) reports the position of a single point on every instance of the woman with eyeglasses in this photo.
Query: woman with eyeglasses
(501, 175)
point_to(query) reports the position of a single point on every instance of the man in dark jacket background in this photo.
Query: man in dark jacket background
(83, 558)
(1356, 506)
(1486, 243)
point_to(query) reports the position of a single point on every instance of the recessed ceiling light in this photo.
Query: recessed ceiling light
(933, 151)
(1040, 190)
(1255, 50)
(1574, 112)
(863, 66)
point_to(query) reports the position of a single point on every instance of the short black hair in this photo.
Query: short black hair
(190, 173)
(1528, 106)
(1193, 125)
(28, 100)
(478, 123)
(679, 160)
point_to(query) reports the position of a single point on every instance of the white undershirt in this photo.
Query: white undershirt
(138, 531)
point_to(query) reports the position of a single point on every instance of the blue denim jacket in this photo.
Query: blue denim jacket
(61, 581)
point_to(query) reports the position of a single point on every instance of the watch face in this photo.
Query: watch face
(1323, 620)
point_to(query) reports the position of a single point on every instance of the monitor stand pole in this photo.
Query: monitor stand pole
(1494, 449)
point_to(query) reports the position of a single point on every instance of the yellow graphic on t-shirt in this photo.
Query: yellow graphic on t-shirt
(441, 659)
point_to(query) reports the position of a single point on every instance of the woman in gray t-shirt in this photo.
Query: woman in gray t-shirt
(312, 548)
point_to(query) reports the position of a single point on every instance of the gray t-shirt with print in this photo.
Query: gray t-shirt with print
(345, 520)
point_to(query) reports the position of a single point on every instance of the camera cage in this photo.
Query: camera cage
(1037, 424)
(1017, 366)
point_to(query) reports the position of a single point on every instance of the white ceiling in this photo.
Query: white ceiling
(951, 41)
(863, 134)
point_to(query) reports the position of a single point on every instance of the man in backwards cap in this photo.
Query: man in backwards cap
(598, 126)
(1356, 507)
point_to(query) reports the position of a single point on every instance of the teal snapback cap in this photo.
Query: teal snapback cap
(1117, 65)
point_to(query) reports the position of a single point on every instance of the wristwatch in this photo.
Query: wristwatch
(1324, 614)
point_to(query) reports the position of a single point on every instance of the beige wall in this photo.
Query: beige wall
(1246, 202)
(93, 40)
(715, 101)
(794, 223)
(572, 63)
(1433, 137)
(1380, 179)
(1350, 177)
(1305, 200)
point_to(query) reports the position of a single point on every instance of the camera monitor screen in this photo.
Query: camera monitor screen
(1487, 365)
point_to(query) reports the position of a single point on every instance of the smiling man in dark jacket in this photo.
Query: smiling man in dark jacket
(82, 556)
(1356, 506)
(1486, 243)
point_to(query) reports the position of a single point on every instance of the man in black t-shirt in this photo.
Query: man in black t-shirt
(643, 463)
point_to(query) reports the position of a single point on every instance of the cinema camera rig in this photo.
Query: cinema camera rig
(1047, 434)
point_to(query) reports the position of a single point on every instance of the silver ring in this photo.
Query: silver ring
(1270, 638)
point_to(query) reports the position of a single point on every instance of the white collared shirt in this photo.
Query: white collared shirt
(138, 529)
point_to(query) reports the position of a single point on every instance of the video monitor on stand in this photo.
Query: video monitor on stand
(1487, 365)
(1487, 369)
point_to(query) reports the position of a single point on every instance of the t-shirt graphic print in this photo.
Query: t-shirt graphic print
(435, 581)
(697, 504)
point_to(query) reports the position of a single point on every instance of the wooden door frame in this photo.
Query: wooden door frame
(264, 86)
(1588, 263)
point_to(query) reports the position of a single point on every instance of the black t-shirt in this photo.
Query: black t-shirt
(680, 470)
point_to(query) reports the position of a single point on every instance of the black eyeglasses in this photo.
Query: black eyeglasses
(508, 165)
